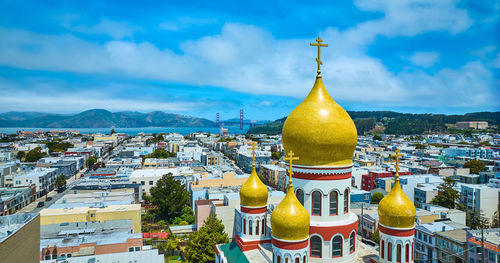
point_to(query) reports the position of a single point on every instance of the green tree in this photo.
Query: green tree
(170, 197)
(201, 245)
(34, 155)
(376, 197)
(447, 196)
(475, 166)
(275, 155)
(160, 154)
(20, 155)
(475, 219)
(91, 161)
(112, 131)
(377, 137)
(419, 146)
(58, 146)
(375, 236)
(60, 181)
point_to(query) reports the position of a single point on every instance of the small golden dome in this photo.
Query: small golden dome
(320, 131)
(396, 209)
(253, 192)
(290, 220)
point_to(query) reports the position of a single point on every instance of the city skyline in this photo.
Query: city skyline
(201, 58)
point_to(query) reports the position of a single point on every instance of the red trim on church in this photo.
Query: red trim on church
(291, 245)
(396, 232)
(316, 176)
(250, 210)
(327, 232)
(249, 245)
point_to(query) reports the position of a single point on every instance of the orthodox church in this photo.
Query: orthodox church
(314, 221)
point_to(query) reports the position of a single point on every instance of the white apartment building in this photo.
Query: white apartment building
(481, 198)
(43, 178)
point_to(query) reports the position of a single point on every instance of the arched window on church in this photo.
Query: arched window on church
(337, 246)
(352, 245)
(250, 225)
(316, 247)
(244, 226)
(382, 251)
(346, 200)
(257, 226)
(398, 258)
(300, 195)
(407, 252)
(279, 259)
(316, 203)
(297, 260)
(263, 226)
(334, 196)
(389, 251)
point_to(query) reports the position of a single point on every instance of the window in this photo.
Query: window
(333, 203)
(257, 227)
(398, 258)
(337, 246)
(142, 182)
(471, 260)
(150, 182)
(389, 251)
(300, 196)
(304, 260)
(250, 227)
(279, 259)
(352, 239)
(407, 252)
(382, 251)
(286, 260)
(137, 248)
(264, 226)
(130, 249)
(492, 256)
(316, 203)
(297, 260)
(244, 226)
(346, 201)
(316, 247)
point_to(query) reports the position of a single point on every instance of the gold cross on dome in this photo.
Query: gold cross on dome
(253, 148)
(397, 155)
(318, 59)
(290, 159)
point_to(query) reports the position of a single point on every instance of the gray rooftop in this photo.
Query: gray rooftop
(11, 223)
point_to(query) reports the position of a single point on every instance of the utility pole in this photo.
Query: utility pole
(482, 244)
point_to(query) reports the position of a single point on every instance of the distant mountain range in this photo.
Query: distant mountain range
(395, 122)
(99, 118)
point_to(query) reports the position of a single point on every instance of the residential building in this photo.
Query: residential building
(425, 239)
(481, 199)
(451, 246)
(14, 199)
(272, 174)
(491, 245)
(43, 178)
(477, 125)
(20, 238)
(149, 177)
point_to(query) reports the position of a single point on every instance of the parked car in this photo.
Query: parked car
(40, 204)
(60, 190)
(48, 199)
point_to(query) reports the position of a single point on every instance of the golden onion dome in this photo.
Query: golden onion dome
(253, 192)
(320, 131)
(290, 220)
(396, 209)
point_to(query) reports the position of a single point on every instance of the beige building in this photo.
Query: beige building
(228, 179)
(91, 214)
(478, 125)
(20, 238)
(451, 246)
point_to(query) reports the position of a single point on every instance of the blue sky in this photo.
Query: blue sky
(202, 57)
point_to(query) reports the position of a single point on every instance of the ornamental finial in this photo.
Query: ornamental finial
(318, 59)
(290, 159)
(253, 148)
(397, 155)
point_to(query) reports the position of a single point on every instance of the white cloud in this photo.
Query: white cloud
(185, 22)
(424, 59)
(249, 59)
(117, 30)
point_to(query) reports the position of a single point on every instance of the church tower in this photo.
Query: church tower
(396, 215)
(253, 209)
(290, 226)
(324, 136)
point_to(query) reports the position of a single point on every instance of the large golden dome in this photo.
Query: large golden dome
(290, 220)
(320, 131)
(253, 192)
(396, 209)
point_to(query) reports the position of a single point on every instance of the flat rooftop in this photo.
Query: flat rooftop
(80, 210)
(12, 223)
(98, 239)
